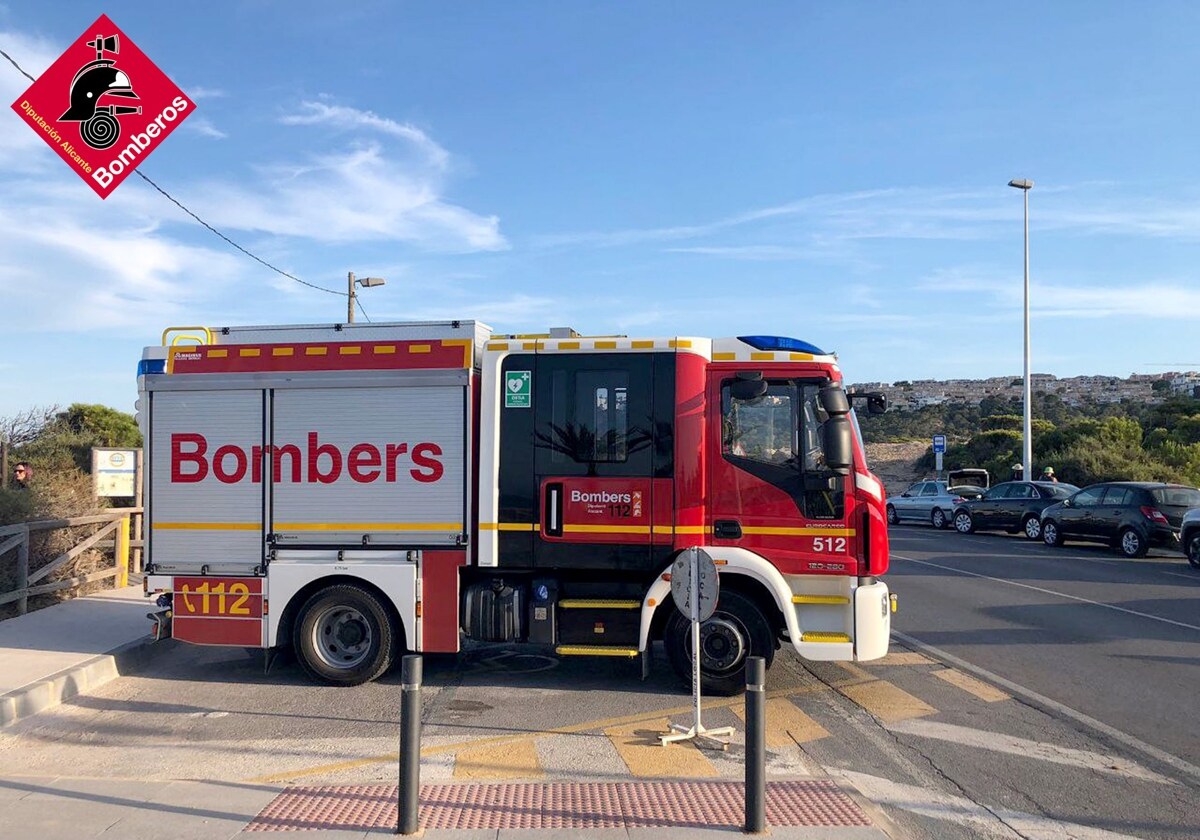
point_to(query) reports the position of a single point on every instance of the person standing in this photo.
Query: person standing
(22, 474)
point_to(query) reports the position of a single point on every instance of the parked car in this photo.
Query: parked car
(929, 501)
(1131, 516)
(1189, 536)
(969, 476)
(1012, 506)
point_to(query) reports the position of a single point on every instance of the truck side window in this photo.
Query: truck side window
(589, 418)
(763, 428)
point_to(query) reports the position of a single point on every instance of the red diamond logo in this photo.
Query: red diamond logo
(103, 106)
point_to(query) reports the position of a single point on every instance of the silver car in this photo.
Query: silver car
(929, 501)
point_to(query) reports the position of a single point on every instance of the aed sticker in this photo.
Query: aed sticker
(518, 389)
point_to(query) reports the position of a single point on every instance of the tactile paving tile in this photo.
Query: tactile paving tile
(559, 805)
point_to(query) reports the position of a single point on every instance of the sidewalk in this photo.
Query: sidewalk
(55, 653)
(69, 808)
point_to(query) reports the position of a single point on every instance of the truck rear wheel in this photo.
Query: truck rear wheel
(738, 629)
(344, 636)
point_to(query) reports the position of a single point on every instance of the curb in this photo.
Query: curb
(78, 679)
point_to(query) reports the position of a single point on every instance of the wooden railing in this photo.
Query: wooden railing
(115, 530)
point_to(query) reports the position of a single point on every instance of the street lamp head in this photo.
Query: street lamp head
(369, 282)
(1021, 183)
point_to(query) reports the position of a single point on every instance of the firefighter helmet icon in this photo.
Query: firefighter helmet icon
(94, 81)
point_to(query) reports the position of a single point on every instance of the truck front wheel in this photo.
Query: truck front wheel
(738, 629)
(344, 636)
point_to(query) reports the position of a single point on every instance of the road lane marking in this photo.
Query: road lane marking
(994, 822)
(1040, 750)
(1053, 705)
(786, 724)
(1192, 578)
(642, 753)
(904, 657)
(984, 691)
(1051, 592)
(516, 760)
(570, 729)
(885, 701)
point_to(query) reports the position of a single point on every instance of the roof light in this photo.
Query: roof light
(146, 366)
(779, 342)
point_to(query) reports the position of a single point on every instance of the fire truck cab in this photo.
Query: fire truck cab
(355, 491)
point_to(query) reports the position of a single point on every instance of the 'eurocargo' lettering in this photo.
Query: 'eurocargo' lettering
(319, 463)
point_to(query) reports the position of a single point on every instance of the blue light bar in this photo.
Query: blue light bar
(779, 342)
(146, 366)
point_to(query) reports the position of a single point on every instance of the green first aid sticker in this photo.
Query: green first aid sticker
(518, 389)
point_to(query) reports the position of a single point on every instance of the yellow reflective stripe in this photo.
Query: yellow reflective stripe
(507, 526)
(282, 351)
(798, 532)
(762, 357)
(568, 345)
(467, 346)
(316, 351)
(420, 348)
(829, 638)
(206, 526)
(588, 650)
(801, 357)
(368, 526)
(662, 529)
(351, 350)
(384, 349)
(606, 345)
(598, 604)
(497, 345)
(680, 343)
(218, 354)
(606, 529)
(724, 357)
(249, 351)
(642, 345)
(693, 529)
(820, 599)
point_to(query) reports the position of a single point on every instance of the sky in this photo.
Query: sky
(831, 171)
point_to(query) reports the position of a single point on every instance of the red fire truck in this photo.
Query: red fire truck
(354, 491)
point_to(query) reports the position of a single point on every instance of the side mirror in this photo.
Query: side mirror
(877, 402)
(834, 400)
(838, 443)
(1067, 503)
(748, 389)
(906, 495)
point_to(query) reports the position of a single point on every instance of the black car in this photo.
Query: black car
(1012, 506)
(1131, 516)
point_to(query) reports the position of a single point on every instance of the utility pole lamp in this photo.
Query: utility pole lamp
(351, 282)
(1025, 185)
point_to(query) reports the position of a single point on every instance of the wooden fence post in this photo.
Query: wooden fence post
(121, 550)
(23, 574)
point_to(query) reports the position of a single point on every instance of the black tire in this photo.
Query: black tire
(737, 618)
(1051, 533)
(1131, 544)
(963, 523)
(892, 517)
(344, 636)
(938, 519)
(1032, 527)
(1193, 549)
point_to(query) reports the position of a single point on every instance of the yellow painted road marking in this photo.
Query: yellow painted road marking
(571, 729)
(514, 760)
(904, 657)
(639, 748)
(786, 724)
(885, 701)
(984, 691)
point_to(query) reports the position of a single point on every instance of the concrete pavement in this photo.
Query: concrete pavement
(55, 653)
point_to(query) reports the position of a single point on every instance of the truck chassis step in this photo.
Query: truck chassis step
(820, 636)
(596, 650)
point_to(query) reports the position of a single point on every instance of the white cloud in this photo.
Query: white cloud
(17, 142)
(344, 118)
(204, 127)
(201, 92)
(355, 195)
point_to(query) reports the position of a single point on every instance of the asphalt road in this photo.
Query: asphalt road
(1115, 639)
(1031, 693)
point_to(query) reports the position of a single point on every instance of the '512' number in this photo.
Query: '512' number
(836, 545)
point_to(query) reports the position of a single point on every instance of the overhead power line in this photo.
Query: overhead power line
(205, 224)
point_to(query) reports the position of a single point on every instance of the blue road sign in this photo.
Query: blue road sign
(939, 443)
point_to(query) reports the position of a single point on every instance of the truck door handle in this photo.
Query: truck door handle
(553, 523)
(727, 529)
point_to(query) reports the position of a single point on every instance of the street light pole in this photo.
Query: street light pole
(1025, 185)
(351, 283)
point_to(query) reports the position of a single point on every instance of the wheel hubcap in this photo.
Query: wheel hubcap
(962, 523)
(342, 637)
(723, 644)
(939, 518)
(1033, 528)
(1130, 542)
(1050, 533)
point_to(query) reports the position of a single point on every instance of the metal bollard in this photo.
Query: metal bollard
(756, 745)
(410, 746)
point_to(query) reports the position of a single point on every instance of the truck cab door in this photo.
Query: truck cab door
(769, 491)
